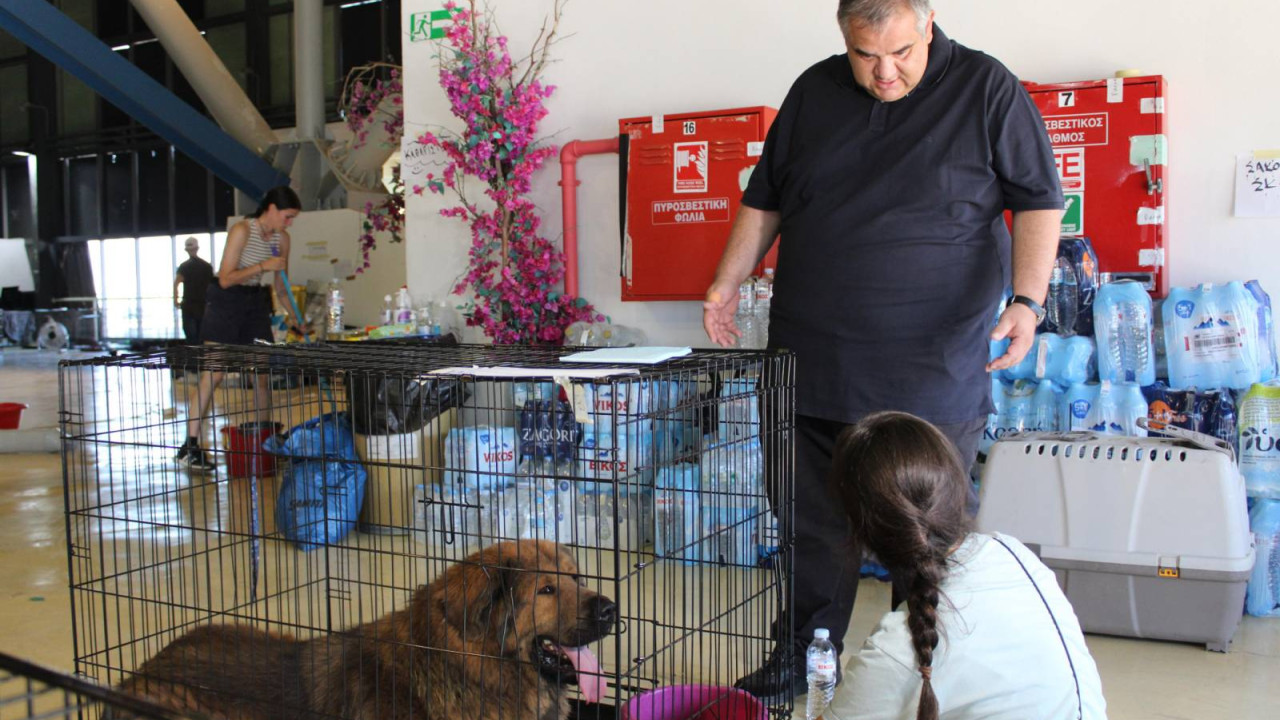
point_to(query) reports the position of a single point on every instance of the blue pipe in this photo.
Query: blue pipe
(44, 29)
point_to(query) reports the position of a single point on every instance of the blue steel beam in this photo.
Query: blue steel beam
(44, 29)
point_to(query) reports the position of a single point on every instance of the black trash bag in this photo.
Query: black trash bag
(382, 405)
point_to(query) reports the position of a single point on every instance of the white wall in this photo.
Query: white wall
(622, 58)
(325, 246)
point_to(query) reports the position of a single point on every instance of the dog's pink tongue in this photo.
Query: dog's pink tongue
(590, 681)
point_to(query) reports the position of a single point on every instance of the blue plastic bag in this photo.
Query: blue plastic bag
(323, 487)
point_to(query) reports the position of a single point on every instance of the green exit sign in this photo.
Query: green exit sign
(429, 25)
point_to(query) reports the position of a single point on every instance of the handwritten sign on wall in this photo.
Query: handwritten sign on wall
(1258, 184)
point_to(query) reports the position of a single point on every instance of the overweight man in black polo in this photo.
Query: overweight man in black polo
(886, 175)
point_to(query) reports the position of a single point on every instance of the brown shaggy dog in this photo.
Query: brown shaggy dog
(495, 636)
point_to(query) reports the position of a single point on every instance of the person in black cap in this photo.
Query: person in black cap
(194, 276)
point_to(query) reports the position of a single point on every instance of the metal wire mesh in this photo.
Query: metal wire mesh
(34, 692)
(664, 485)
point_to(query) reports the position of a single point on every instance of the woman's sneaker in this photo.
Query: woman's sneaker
(191, 455)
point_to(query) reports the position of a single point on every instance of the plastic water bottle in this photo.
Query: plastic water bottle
(1263, 595)
(1122, 320)
(1064, 298)
(1079, 407)
(427, 324)
(1266, 331)
(333, 322)
(820, 667)
(764, 298)
(388, 313)
(1259, 428)
(745, 317)
(1045, 410)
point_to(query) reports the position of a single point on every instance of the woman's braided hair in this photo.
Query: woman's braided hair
(904, 489)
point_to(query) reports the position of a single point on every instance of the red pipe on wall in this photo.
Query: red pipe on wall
(569, 183)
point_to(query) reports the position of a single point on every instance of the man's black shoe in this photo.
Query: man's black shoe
(779, 680)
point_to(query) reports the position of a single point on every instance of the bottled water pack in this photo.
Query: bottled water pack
(611, 516)
(482, 457)
(1073, 286)
(739, 409)
(1211, 337)
(1063, 360)
(1212, 412)
(539, 506)
(732, 502)
(677, 512)
(1013, 403)
(604, 456)
(1262, 598)
(1107, 408)
(547, 428)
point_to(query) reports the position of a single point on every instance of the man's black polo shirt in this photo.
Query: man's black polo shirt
(894, 250)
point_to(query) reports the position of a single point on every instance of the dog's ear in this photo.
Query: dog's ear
(480, 594)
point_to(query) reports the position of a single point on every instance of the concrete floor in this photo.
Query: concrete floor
(1141, 679)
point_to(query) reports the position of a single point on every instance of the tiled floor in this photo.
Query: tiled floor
(1141, 679)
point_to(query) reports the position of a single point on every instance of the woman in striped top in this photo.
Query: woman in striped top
(238, 309)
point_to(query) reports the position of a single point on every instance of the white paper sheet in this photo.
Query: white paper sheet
(1258, 184)
(636, 355)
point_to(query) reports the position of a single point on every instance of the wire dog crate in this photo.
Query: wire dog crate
(30, 691)
(524, 533)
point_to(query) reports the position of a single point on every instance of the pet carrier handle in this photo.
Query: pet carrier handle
(1200, 440)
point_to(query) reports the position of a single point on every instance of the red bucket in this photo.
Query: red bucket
(11, 415)
(245, 458)
(694, 702)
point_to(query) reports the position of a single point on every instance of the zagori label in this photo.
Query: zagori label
(1077, 130)
(683, 212)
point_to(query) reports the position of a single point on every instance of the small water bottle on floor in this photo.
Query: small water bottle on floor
(820, 665)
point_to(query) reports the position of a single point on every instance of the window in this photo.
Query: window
(119, 292)
(190, 194)
(13, 104)
(230, 44)
(153, 191)
(157, 263)
(134, 281)
(280, 51)
(118, 189)
(10, 46)
(215, 249)
(19, 219)
(77, 105)
(82, 196)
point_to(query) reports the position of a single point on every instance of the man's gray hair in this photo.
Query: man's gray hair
(876, 13)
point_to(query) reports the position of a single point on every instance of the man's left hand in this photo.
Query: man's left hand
(1018, 324)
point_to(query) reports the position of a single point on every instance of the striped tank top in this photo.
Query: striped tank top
(257, 249)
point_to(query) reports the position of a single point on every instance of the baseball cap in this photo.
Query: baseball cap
(191, 244)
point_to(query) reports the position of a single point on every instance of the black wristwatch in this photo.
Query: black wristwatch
(1034, 306)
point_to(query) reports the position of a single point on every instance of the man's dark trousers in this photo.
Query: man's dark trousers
(826, 564)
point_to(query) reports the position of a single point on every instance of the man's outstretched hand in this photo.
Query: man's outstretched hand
(717, 314)
(1018, 324)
